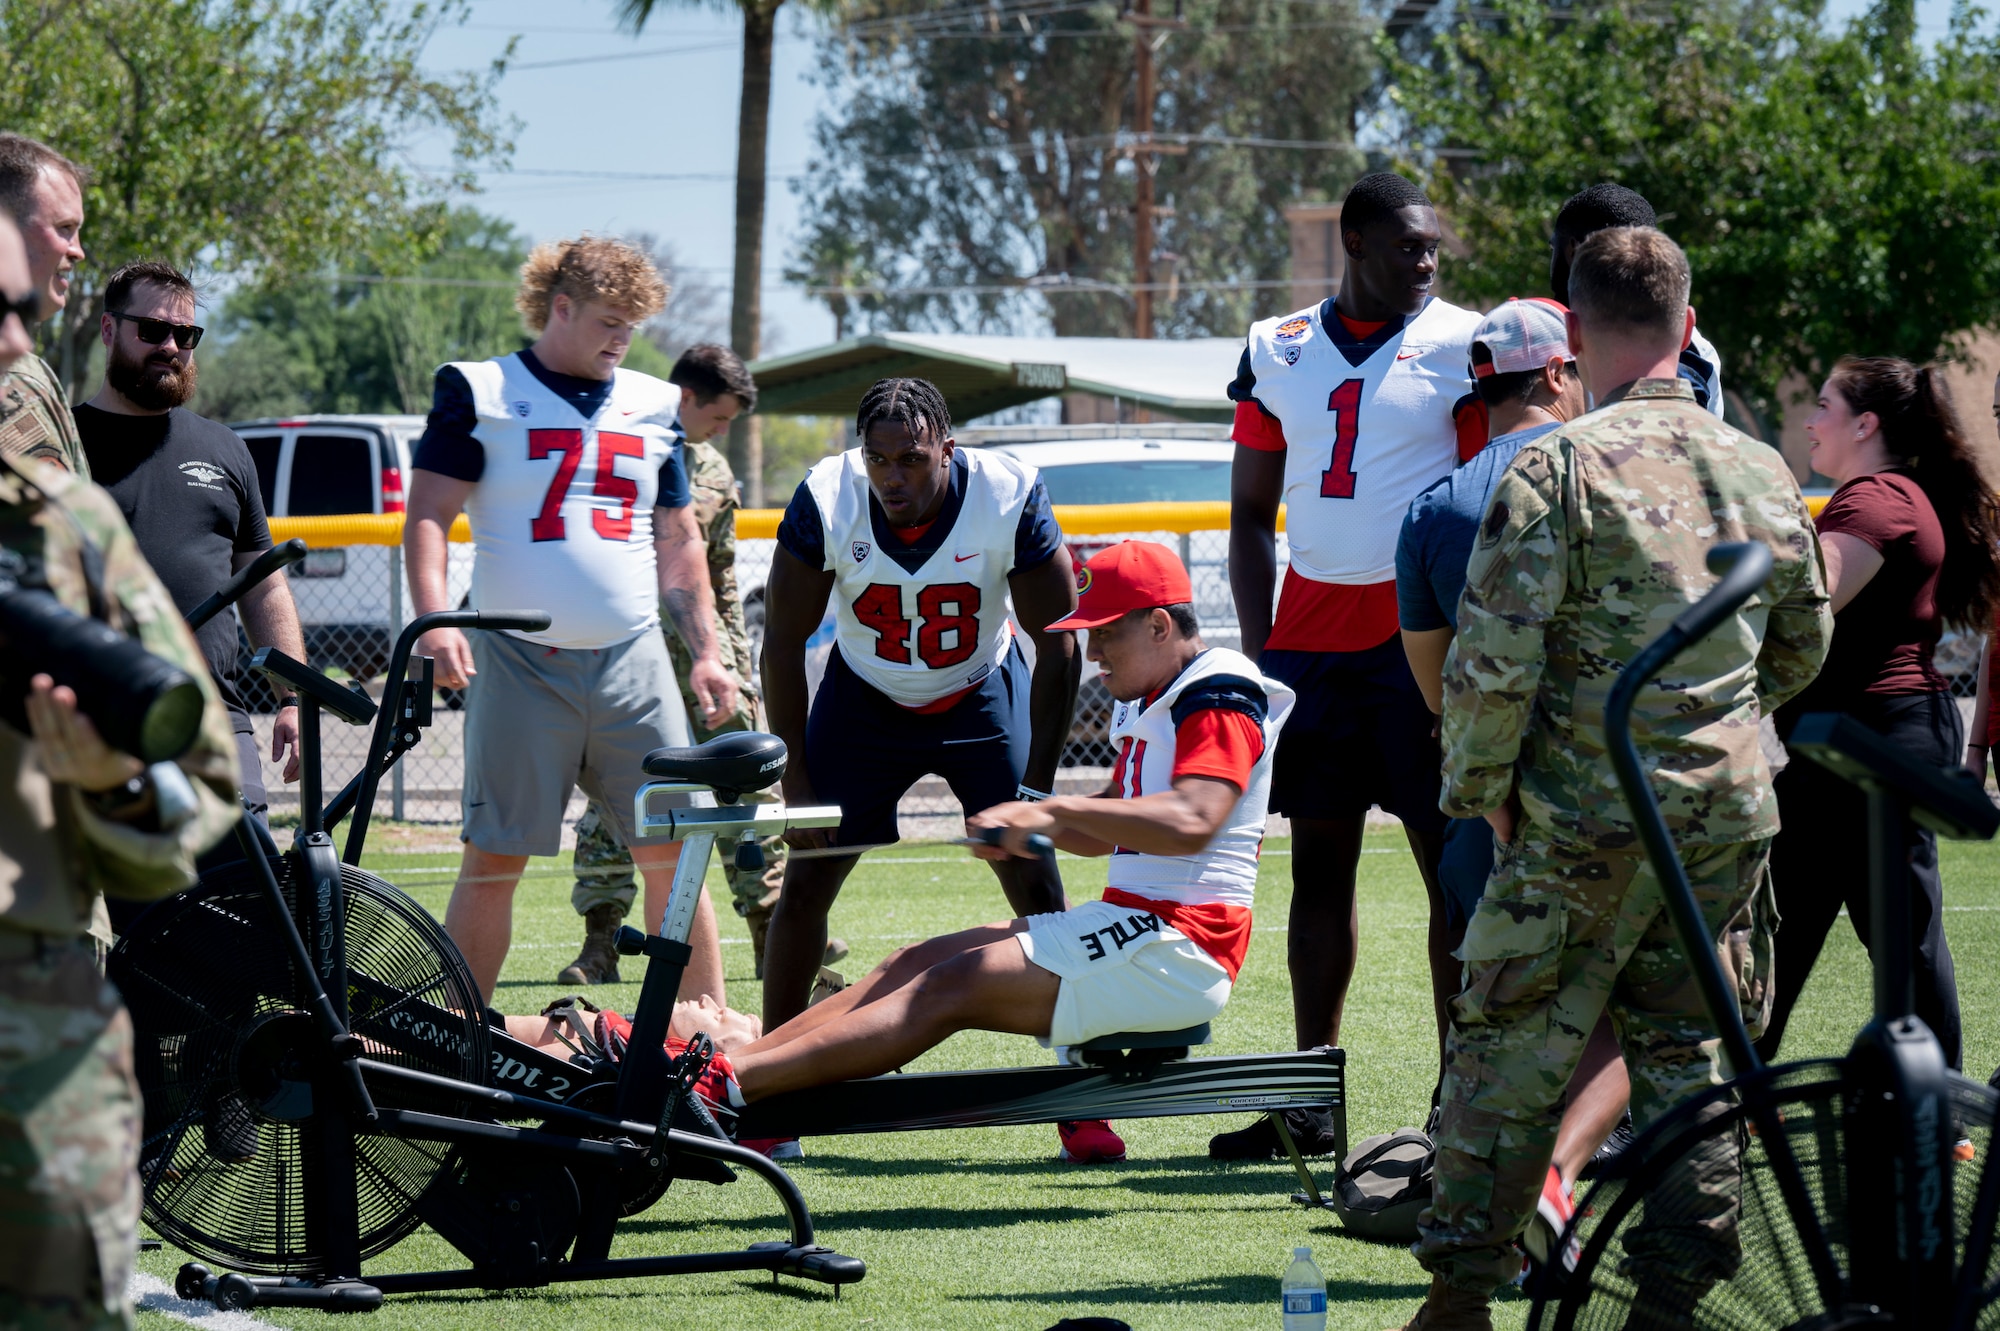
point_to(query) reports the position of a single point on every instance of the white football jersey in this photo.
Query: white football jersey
(562, 515)
(1146, 732)
(1701, 366)
(923, 620)
(1368, 426)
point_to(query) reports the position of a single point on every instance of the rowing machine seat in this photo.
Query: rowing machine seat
(1132, 1056)
(729, 764)
(1180, 1039)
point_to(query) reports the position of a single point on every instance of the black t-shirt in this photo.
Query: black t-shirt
(188, 488)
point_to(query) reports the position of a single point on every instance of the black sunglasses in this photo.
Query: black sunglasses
(29, 307)
(154, 331)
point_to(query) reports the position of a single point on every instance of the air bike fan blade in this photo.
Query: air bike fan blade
(227, 1057)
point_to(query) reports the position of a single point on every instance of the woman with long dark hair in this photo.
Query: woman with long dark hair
(1909, 543)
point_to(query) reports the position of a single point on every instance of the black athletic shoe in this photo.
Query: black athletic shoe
(1615, 1146)
(1312, 1133)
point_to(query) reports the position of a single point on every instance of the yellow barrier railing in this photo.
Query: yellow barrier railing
(761, 524)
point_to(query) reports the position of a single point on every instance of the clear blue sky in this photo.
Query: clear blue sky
(668, 106)
(672, 111)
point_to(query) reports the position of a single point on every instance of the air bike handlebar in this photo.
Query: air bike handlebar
(400, 703)
(277, 557)
(1743, 566)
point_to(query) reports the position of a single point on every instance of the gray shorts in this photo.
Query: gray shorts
(540, 721)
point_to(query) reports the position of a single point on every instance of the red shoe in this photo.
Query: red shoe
(1090, 1141)
(1553, 1213)
(775, 1148)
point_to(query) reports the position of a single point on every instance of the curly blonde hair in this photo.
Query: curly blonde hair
(586, 269)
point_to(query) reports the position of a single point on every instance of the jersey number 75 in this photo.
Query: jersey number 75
(548, 525)
(880, 607)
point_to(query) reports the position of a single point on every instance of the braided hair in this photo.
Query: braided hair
(1922, 432)
(915, 403)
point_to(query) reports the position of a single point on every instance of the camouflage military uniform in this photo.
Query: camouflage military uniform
(35, 419)
(603, 865)
(69, 1104)
(1594, 541)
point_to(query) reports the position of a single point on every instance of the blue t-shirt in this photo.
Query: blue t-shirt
(1439, 531)
(449, 449)
(1036, 537)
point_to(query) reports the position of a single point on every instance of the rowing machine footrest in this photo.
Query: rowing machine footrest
(814, 1262)
(1136, 1055)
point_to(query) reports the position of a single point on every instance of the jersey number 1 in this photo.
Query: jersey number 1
(548, 525)
(880, 607)
(1337, 481)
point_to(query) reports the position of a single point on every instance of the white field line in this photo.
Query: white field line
(154, 1295)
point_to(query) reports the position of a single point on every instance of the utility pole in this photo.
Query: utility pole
(1146, 154)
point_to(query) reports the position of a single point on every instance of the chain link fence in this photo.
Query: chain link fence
(353, 599)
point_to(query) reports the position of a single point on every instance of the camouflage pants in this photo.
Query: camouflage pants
(1564, 934)
(603, 865)
(69, 1143)
(604, 870)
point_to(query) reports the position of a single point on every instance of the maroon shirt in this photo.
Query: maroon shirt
(1883, 639)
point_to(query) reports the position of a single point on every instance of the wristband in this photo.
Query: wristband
(291, 701)
(1029, 795)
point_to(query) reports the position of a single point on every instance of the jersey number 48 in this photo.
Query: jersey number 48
(948, 608)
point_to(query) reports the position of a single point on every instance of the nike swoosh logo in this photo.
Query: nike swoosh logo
(960, 559)
(1408, 355)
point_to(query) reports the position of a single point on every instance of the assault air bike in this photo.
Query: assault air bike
(321, 1076)
(1842, 1205)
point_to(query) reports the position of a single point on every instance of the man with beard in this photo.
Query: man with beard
(43, 191)
(188, 487)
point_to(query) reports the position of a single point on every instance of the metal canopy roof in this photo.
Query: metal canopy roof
(980, 374)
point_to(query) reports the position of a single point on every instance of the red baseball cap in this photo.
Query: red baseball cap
(1131, 575)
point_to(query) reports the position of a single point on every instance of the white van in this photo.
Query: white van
(332, 466)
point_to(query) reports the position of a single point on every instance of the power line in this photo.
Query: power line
(623, 55)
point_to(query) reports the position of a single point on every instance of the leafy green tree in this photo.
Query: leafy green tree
(1834, 188)
(321, 343)
(243, 136)
(990, 161)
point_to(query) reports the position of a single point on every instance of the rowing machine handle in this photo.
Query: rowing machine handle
(1743, 567)
(277, 557)
(1044, 848)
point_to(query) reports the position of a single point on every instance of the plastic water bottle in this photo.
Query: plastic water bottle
(1304, 1293)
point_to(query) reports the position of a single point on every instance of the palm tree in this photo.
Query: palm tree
(753, 128)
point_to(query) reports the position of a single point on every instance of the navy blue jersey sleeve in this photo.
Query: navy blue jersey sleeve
(1229, 693)
(447, 446)
(674, 490)
(801, 532)
(1417, 607)
(1037, 538)
(1695, 368)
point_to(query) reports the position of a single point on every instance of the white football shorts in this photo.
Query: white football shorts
(1122, 969)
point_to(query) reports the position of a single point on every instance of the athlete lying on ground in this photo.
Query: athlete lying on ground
(1182, 819)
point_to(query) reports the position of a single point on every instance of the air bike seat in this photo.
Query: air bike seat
(731, 765)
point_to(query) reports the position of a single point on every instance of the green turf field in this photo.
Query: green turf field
(985, 1228)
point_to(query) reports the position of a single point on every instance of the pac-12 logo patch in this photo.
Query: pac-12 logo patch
(1291, 355)
(1082, 579)
(1291, 330)
(522, 409)
(860, 551)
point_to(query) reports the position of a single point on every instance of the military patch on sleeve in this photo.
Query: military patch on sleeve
(1495, 525)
